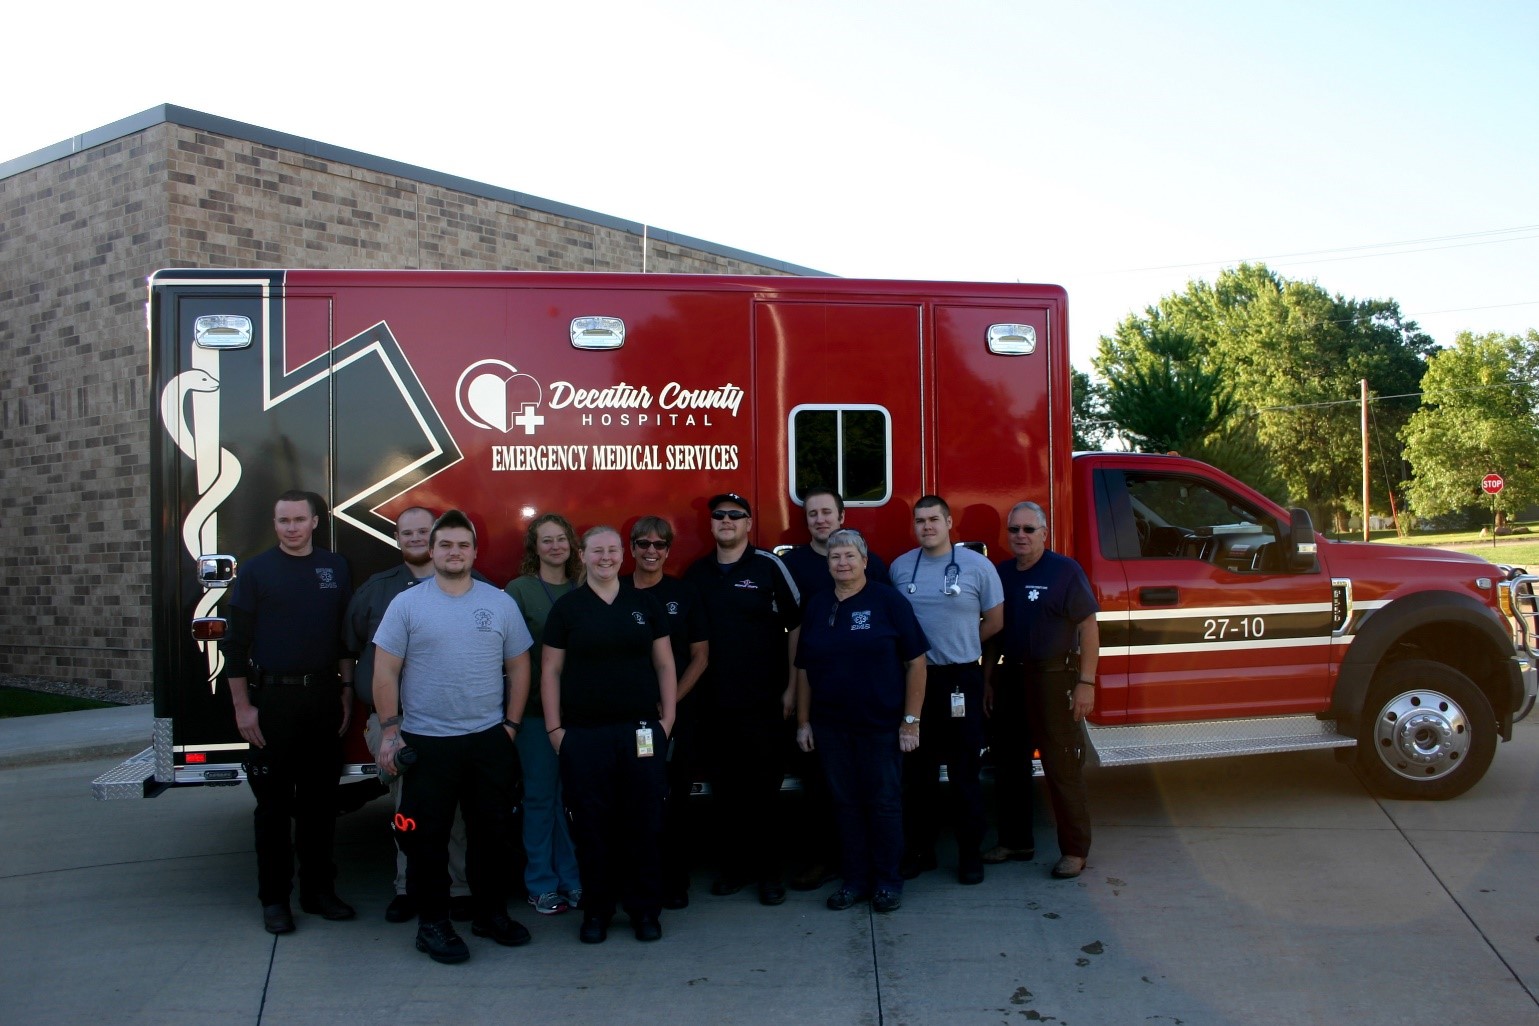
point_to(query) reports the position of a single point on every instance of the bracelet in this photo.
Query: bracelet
(510, 723)
(552, 730)
(1088, 683)
(390, 721)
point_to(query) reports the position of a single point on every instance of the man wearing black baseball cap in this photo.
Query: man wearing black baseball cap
(754, 611)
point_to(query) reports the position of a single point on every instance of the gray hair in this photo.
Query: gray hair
(1026, 505)
(851, 537)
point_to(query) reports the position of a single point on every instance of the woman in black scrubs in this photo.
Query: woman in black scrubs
(609, 691)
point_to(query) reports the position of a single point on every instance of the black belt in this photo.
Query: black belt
(297, 680)
(1063, 665)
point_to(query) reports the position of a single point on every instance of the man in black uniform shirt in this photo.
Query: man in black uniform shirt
(291, 687)
(754, 612)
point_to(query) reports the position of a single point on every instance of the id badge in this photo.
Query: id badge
(958, 705)
(644, 742)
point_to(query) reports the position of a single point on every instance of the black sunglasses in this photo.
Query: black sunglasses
(728, 514)
(1024, 529)
(648, 543)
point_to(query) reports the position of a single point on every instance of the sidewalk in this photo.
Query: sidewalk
(88, 734)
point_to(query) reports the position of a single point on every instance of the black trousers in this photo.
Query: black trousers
(1031, 710)
(685, 766)
(295, 782)
(958, 742)
(478, 773)
(749, 756)
(616, 801)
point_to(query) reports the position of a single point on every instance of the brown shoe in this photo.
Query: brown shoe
(999, 853)
(1069, 867)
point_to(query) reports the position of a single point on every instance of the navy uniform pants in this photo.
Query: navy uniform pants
(295, 779)
(1031, 710)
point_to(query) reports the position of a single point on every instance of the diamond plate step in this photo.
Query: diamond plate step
(1212, 739)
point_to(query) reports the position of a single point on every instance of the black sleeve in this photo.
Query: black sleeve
(237, 644)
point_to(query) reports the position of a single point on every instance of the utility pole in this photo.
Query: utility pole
(1364, 384)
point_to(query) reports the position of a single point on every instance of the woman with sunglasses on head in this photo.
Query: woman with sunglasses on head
(609, 690)
(651, 541)
(549, 570)
(860, 686)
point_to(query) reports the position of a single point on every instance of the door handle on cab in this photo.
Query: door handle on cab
(1157, 596)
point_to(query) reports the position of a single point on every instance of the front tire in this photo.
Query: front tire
(1427, 732)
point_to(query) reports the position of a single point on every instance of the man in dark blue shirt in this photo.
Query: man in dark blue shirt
(290, 681)
(1046, 686)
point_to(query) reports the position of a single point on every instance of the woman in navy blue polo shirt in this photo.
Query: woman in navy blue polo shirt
(860, 687)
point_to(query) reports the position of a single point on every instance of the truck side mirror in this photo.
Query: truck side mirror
(1301, 541)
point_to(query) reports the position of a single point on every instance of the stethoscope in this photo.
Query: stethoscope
(949, 585)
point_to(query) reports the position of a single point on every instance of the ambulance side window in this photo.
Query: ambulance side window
(1186, 518)
(844, 447)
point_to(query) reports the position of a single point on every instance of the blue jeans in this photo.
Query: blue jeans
(547, 841)
(865, 779)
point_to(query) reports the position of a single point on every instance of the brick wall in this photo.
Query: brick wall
(78, 237)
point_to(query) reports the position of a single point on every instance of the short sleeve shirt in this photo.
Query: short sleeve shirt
(1044, 605)
(452, 649)
(950, 620)
(854, 653)
(607, 674)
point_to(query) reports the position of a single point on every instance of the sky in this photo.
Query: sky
(1383, 150)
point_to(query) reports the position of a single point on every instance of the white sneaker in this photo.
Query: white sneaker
(549, 904)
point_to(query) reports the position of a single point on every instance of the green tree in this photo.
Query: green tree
(1165, 400)
(1293, 354)
(1479, 415)
(1088, 401)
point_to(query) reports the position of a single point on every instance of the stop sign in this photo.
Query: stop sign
(1491, 484)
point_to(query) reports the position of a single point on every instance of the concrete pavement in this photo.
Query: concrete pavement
(1271, 889)
(87, 734)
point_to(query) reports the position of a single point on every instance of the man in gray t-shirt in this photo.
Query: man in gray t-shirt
(441, 654)
(959, 602)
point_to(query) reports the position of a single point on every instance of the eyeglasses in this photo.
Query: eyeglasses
(1024, 529)
(728, 514)
(648, 543)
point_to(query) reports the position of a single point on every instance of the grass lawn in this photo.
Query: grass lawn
(20, 702)
(1517, 549)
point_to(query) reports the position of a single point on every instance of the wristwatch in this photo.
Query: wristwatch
(911, 719)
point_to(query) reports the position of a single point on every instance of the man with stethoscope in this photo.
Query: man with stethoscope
(959, 602)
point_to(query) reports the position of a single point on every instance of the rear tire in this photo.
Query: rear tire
(1427, 732)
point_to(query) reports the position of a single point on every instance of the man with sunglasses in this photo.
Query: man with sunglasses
(651, 541)
(955, 594)
(1038, 697)
(753, 610)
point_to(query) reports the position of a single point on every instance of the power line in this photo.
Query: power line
(1361, 251)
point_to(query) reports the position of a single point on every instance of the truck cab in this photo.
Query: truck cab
(1228, 626)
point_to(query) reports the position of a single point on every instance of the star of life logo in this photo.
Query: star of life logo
(1032, 594)
(483, 618)
(496, 395)
(639, 617)
(860, 620)
(673, 607)
(326, 577)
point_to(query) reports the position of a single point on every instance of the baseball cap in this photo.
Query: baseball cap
(717, 500)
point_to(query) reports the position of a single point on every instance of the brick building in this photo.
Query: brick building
(83, 223)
